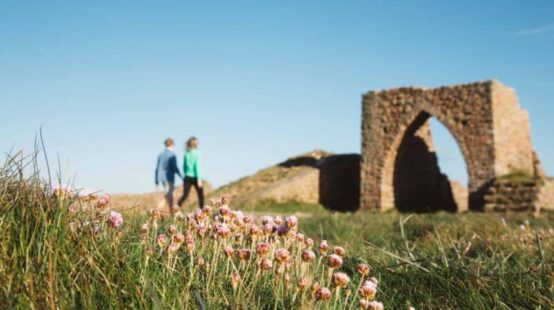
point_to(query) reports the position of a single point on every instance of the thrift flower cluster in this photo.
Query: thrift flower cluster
(219, 244)
(88, 211)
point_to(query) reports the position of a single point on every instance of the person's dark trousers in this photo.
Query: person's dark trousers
(187, 184)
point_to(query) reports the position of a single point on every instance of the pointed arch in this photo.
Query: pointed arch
(475, 115)
(411, 179)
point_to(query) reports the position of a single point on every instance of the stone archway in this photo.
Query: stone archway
(417, 180)
(484, 118)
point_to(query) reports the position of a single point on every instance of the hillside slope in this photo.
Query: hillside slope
(296, 179)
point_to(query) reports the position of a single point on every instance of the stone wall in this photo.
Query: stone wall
(512, 135)
(473, 113)
(339, 182)
(546, 195)
(513, 194)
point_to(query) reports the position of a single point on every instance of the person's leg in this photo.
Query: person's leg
(200, 193)
(186, 190)
(169, 194)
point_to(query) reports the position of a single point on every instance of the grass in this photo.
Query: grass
(444, 260)
(428, 261)
(62, 250)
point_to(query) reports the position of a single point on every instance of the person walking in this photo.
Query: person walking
(166, 169)
(192, 172)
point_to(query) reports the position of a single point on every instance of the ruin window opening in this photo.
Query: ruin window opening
(430, 172)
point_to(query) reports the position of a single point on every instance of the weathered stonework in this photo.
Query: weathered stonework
(484, 118)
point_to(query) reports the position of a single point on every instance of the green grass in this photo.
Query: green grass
(444, 260)
(429, 261)
(272, 207)
(517, 176)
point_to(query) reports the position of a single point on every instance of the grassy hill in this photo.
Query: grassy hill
(295, 179)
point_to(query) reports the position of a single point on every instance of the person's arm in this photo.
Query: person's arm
(198, 171)
(173, 165)
(156, 181)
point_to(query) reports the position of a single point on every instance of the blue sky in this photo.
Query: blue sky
(256, 81)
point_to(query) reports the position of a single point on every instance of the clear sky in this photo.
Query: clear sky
(256, 81)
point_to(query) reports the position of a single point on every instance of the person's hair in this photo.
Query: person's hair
(168, 142)
(192, 143)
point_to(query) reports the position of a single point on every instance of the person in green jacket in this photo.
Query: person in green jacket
(192, 173)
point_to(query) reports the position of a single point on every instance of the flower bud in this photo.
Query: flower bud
(335, 261)
(363, 269)
(323, 294)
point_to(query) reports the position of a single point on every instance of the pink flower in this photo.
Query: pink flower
(103, 202)
(175, 208)
(172, 229)
(225, 199)
(335, 261)
(262, 248)
(224, 210)
(206, 209)
(308, 242)
(254, 230)
(302, 283)
(161, 240)
(278, 220)
(323, 294)
(282, 255)
(368, 290)
(248, 219)
(340, 279)
(244, 254)
(190, 246)
(315, 286)
(179, 238)
(199, 216)
(291, 221)
(268, 228)
(172, 248)
(374, 280)
(222, 230)
(238, 237)
(323, 247)
(155, 214)
(340, 251)
(202, 230)
(189, 237)
(115, 220)
(363, 269)
(375, 305)
(265, 263)
(229, 251)
(299, 237)
(267, 220)
(308, 256)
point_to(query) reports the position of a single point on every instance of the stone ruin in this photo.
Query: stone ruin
(399, 165)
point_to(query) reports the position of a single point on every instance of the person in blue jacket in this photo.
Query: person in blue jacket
(166, 169)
